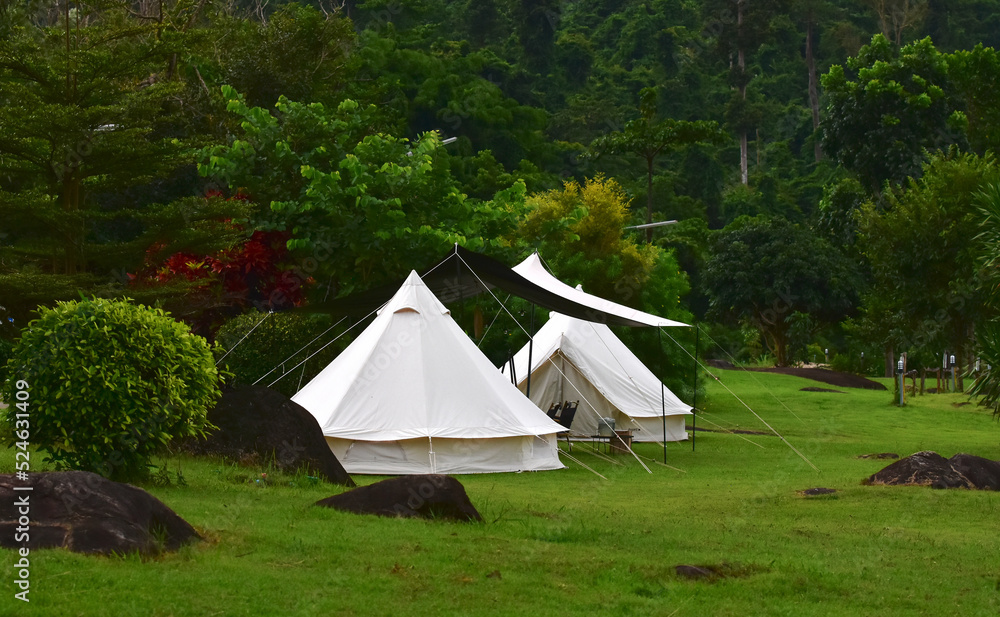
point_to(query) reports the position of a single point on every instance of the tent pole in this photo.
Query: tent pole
(461, 300)
(663, 403)
(531, 341)
(694, 407)
(301, 377)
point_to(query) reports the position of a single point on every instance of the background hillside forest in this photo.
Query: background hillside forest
(830, 165)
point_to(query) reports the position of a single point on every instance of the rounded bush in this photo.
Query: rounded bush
(109, 383)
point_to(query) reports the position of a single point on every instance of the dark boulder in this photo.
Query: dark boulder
(922, 469)
(932, 469)
(86, 513)
(424, 496)
(258, 426)
(981, 472)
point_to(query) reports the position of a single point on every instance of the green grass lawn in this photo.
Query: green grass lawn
(570, 543)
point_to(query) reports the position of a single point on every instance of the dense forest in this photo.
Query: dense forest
(830, 165)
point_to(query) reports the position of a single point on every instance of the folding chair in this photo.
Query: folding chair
(554, 410)
(565, 419)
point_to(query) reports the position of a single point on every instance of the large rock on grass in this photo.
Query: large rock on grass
(931, 469)
(981, 472)
(424, 496)
(260, 426)
(86, 513)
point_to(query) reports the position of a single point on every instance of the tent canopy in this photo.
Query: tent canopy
(463, 274)
(533, 270)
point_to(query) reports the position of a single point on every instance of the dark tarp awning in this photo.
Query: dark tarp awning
(463, 274)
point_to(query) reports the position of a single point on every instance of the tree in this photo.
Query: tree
(748, 26)
(987, 383)
(298, 51)
(973, 73)
(361, 208)
(648, 139)
(86, 120)
(111, 383)
(897, 16)
(837, 219)
(926, 296)
(900, 105)
(812, 14)
(97, 126)
(580, 231)
(764, 271)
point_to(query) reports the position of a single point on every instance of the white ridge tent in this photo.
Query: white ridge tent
(412, 394)
(576, 360)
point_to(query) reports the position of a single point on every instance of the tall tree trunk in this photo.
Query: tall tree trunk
(813, 87)
(890, 362)
(741, 63)
(74, 233)
(780, 348)
(70, 181)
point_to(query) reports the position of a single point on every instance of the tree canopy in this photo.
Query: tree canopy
(763, 271)
(218, 158)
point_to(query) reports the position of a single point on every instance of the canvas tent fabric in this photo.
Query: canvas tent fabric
(464, 273)
(412, 395)
(534, 270)
(572, 360)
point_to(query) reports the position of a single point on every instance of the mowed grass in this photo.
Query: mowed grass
(570, 543)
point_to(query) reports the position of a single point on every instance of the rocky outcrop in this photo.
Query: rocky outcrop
(424, 496)
(260, 426)
(86, 513)
(931, 469)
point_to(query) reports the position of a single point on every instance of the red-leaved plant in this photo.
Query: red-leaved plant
(259, 272)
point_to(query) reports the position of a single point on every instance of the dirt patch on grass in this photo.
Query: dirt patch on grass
(813, 389)
(717, 571)
(880, 455)
(834, 378)
(813, 492)
(736, 431)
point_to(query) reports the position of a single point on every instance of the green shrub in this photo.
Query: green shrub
(110, 383)
(6, 350)
(987, 382)
(277, 343)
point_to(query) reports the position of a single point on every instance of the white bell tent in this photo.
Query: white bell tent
(412, 394)
(576, 360)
